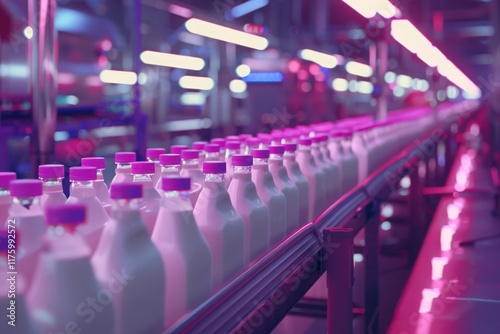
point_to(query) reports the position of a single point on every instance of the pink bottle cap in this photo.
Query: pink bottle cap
(212, 148)
(305, 141)
(277, 149)
(338, 133)
(65, 214)
(50, 171)
(5, 178)
(126, 190)
(170, 159)
(264, 138)
(143, 167)
(82, 173)
(290, 147)
(323, 138)
(26, 188)
(125, 157)
(245, 136)
(199, 145)
(233, 144)
(175, 183)
(260, 153)
(233, 138)
(154, 153)
(253, 142)
(316, 139)
(190, 154)
(97, 162)
(177, 149)
(214, 167)
(242, 160)
(219, 141)
(277, 137)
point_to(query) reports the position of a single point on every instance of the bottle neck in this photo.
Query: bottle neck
(171, 169)
(125, 204)
(82, 184)
(260, 161)
(212, 156)
(304, 148)
(124, 168)
(100, 175)
(145, 178)
(176, 194)
(191, 163)
(241, 170)
(61, 230)
(214, 178)
(51, 182)
(276, 157)
(231, 152)
(4, 192)
(26, 202)
(289, 156)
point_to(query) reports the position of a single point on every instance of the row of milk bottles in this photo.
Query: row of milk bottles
(172, 230)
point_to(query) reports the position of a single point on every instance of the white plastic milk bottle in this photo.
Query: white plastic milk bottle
(51, 177)
(299, 179)
(5, 198)
(221, 225)
(185, 252)
(329, 173)
(232, 147)
(122, 171)
(149, 204)
(250, 206)
(271, 195)
(83, 192)
(315, 177)
(26, 216)
(153, 155)
(65, 295)
(126, 248)
(16, 318)
(200, 145)
(101, 189)
(191, 168)
(170, 166)
(286, 186)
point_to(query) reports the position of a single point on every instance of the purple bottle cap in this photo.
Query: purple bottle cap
(277, 137)
(175, 183)
(143, 167)
(199, 145)
(233, 144)
(316, 139)
(96, 162)
(233, 138)
(277, 149)
(190, 154)
(337, 133)
(82, 173)
(219, 141)
(253, 142)
(125, 157)
(242, 160)
(323, 137)
(260, 153)
(214, 167)
(177, 149)
(154, 153)
(126, 190)
(4, 240)
(26, 188)
(212, 148)
(5, 178)
(170, 159)
(363, 127)
(50, 171)
(305, 141)
(290, 147)
(65, 214)
(245, 136)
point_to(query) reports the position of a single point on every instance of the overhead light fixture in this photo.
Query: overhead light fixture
(180, 11)
(359, 69)
(362, 7)
(369, 8)
(340, 85)
(320, 58)
(193, 82)
(192, 99)
(172, 60)
(248, 7)
(264, 77)
(409, 36)
(118, 77)
(237, 86)
(225, 34)
(365, 87)
(404, 81)
(243, 70)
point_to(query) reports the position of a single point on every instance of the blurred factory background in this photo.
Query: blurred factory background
(91, 77)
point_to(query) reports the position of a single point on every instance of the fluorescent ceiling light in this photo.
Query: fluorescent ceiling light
(340, 85)
(215, 31)
(243, 70)
(409, 36)
(172, 60)
(237, 86)
(192, 82)
(359, 69)
(248, 7)
(192, 99)
(361, 7)
(118, 77)
(365, 87)
(320, 58)
(404, 81)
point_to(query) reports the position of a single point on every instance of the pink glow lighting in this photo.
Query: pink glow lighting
(66, 78)
(180, 11)
(453, 211)
(438, 264)
(294, 66)
(428, 295)
(447, 233)
(314, 69)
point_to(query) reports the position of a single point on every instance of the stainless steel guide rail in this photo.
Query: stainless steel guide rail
(260, 297)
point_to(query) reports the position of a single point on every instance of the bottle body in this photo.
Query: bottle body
(302, 184)
(185, 254)
(52, 192)
(197, 180)
(123, 173)
(316, 179)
